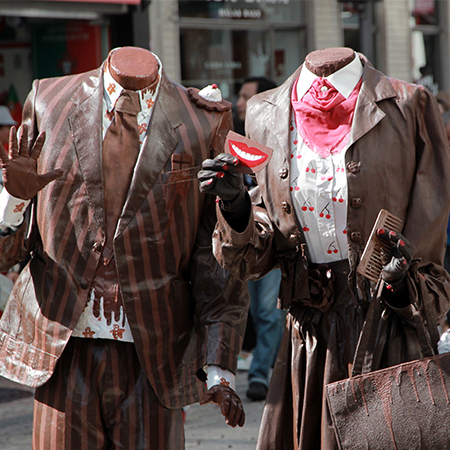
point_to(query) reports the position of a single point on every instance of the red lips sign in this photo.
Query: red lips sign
(252, 156)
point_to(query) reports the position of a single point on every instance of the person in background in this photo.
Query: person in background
(444, 342)
(267, 320)
(446, 119)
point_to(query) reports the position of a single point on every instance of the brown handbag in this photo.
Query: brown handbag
(402, 407)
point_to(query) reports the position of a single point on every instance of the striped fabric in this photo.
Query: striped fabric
(184, 310)
(110, 408)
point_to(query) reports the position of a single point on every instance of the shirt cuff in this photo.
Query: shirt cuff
(12, 209)
(216, 375)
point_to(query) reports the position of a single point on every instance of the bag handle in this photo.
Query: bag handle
(364, 354)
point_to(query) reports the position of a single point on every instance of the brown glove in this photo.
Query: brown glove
(229, 402)
(20, 176)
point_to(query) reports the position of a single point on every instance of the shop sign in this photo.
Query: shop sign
(236, 13)
(261, 10)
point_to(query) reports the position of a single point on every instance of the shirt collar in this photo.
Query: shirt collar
(344, 80)
(112, 90)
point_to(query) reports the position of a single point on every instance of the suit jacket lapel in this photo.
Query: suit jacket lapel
(85, 123)
(375, 87)
(159, 144)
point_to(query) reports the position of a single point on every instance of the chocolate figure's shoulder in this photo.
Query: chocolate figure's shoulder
(209, 98)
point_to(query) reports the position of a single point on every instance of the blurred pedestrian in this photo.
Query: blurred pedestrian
(446, 119)
(267, 320)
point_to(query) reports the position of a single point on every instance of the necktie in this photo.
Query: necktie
(324, 116)
(120, 152)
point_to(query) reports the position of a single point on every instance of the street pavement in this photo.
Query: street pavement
(205, 427)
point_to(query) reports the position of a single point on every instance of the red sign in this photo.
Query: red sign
(121, 2)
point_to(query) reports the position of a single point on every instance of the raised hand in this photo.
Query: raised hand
(394, 271)
(229, 402)
(19, 165)
(220, 177)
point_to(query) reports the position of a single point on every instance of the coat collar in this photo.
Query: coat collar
(159, 144)
(375, 88)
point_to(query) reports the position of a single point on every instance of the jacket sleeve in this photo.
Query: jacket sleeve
(248, 255)
(16, 245)
(221, 301)
(428, 211)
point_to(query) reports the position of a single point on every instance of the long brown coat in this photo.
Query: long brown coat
(398, 160)
(184, 310)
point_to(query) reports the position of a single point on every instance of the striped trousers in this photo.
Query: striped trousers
(99, 398)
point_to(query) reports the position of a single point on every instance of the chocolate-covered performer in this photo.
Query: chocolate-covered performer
(122, 313)
(348, 141)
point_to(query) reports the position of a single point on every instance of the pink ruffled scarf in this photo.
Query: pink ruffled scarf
(324, 116)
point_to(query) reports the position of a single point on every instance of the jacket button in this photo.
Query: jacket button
(83, 284)
(98, 247)
(354, 167)
(283, 172)
(286, 207)
(355, 236)
(294, 238)
(356, 203)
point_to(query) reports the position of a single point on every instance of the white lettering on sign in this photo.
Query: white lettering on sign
(229, 13)
(218, 65)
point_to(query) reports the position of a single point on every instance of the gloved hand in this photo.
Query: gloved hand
(20, 176)
(394, 271)
(229, 402)
(220, 177)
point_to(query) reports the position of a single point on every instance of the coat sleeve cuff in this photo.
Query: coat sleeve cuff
(216, 375)
(12, 209)
(229, 235)
(220, 345)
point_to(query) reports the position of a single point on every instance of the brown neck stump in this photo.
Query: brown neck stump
(133, 68)
(329, 60)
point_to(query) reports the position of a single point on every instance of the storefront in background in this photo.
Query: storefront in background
(224, 42)
(40, 39)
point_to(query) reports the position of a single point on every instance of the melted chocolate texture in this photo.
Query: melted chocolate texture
(133, 68)
(329, 60)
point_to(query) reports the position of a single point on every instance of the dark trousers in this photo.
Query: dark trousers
(99, 398)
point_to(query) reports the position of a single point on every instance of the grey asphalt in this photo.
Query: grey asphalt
(205, 427)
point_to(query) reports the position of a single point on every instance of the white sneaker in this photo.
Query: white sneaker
(244, 360)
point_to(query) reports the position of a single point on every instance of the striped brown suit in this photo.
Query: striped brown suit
(183, 309)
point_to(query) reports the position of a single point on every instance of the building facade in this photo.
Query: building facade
(223, 41)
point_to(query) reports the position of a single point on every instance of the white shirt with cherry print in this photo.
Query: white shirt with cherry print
(319, 193)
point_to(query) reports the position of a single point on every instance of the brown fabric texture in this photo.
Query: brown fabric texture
(120, 153)
(397, 160)
(119, 408)
(179, 318)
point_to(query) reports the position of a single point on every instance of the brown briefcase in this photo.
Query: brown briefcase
(403, 407)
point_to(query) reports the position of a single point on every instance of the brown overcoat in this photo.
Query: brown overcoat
(398, 159)
(184, 310)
